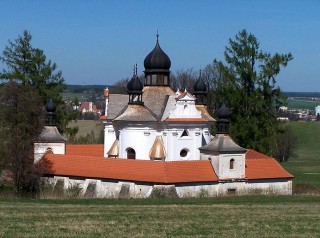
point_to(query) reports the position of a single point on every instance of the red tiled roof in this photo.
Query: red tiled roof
(260, 166)
(186, 119)
(92, 150)
(88, 161)
(132, 170)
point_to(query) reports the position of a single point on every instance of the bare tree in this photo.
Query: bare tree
(184, 79)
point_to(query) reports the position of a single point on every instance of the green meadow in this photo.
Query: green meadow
(279, 216)
(305, 166)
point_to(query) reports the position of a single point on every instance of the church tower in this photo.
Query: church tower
(157, 67)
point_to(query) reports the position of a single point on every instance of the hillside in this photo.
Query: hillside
(306, 165)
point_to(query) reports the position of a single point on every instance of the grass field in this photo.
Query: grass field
(86, 126)
(293, 216)
(306, 165)
(301, 103)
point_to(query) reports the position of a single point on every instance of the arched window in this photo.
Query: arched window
(231, 166)
(131, 153)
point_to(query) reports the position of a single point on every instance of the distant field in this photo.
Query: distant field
(290, 216)
(86, 126)
(306, 166)
(302, 103)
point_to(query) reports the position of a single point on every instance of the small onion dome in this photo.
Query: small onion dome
(199, 86)
(135, 84)
(223, 112)
(157, 59)
(51, 107)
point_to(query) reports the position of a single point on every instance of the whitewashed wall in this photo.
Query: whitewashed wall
(40, 148)
(111, 189)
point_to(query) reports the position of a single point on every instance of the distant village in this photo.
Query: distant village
(89, 102)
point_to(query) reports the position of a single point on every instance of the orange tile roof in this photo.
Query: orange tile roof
(92, 150)
(260, 166)
(132, 170)
(186, 119)
(88, 161)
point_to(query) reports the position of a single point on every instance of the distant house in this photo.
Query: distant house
(89, 107)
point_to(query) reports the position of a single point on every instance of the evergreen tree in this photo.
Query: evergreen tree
(27, 65)
(248, 87)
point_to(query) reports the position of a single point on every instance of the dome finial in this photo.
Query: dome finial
(157, 36)
(136, 72)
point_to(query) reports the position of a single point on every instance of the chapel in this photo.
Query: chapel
(157, 139)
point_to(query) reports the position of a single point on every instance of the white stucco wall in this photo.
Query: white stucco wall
(41, 148)
(238, 170)
(111, 189)
(109, 137)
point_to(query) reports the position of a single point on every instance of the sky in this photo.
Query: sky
(98, 42)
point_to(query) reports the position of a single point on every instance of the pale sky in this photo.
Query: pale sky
(98, 42)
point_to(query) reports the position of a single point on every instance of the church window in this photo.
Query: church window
(184, 153)
(231, 166)
(131, 153)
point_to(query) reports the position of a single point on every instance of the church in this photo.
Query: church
(158, 143)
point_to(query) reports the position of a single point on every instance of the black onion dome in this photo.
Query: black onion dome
(199, 86)
(223, 112)
(135, 84)
(51, 107)
(157, 59)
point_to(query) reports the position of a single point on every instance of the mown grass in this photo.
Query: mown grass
(293, 216)
(86, 126)
(306, 165)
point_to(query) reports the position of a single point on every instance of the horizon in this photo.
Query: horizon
(97, 43)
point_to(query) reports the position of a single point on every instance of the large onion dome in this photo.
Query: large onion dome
(157, 59)
(157, 67)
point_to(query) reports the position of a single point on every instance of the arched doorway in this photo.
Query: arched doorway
(131, 153)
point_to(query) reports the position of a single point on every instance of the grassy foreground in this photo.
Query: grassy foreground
(290, 216)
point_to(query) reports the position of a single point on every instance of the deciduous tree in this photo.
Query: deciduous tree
(20, 122)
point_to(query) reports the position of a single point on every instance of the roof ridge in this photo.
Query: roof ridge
(151, 112)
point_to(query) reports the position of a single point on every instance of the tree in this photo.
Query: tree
(184, 79)
(248, 87)
(286, 144)
(20, 122)
(27, 65)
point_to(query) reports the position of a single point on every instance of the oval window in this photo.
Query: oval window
(183, 153)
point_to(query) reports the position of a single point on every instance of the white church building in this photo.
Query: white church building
(158, 142)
